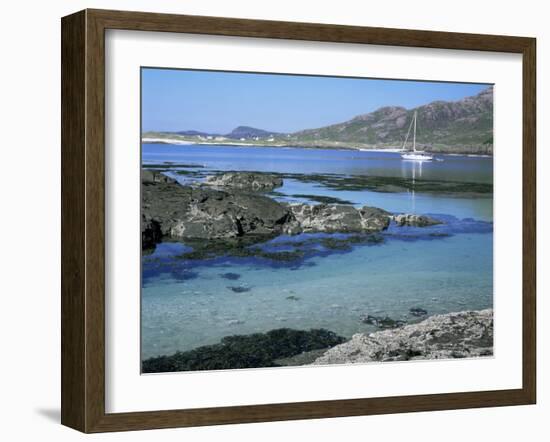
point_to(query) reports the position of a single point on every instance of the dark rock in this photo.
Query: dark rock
(246, 180)
(417, 311)
(151, 233)
(187, 213)
(153, 176)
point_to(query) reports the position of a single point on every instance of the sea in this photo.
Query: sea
(446, 268)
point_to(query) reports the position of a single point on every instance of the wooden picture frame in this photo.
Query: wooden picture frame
(83, 220)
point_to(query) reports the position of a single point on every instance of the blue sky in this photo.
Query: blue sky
(217, 102)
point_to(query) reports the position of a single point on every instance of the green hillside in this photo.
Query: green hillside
(465, 125)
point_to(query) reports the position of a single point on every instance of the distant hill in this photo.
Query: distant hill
(442, 125)
(194, 133)
(249, 132)
(239, 132)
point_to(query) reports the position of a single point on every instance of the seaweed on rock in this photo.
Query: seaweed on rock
(245, 351)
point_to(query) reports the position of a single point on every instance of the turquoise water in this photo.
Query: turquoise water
(186, 304)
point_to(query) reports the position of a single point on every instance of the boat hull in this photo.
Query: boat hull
(416, 157)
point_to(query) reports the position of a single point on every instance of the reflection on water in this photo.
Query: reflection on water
(414, 165)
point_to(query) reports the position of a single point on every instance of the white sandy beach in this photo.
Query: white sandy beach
(165, 140)
(236, 143)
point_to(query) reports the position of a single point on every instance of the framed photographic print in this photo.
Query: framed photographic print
(268, 220)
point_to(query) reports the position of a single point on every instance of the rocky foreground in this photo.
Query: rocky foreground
(231, 205)
(455, 335)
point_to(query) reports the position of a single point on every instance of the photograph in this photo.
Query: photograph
(295, 220)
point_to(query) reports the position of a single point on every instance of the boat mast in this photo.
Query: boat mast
(414, 133)
(409, 131)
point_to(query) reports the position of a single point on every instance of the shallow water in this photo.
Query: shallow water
(186, 303)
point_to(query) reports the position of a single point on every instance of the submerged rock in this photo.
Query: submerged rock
(407, 219)
(320, 198)
(246, 180)
(390, 184)
(240, 248)
(382, 322)
(231, 276)
(454, 335)
(239, 289)
(418, 311)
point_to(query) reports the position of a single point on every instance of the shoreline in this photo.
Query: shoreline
(455, 335)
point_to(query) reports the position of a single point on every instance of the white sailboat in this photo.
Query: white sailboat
(415, 155)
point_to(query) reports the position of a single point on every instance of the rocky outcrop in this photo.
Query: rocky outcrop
(226, 208)
(152, 176)
(186, 212)
(196, 212)
(246, 180)
(454, 335)
(407, 219)
(339, 218)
